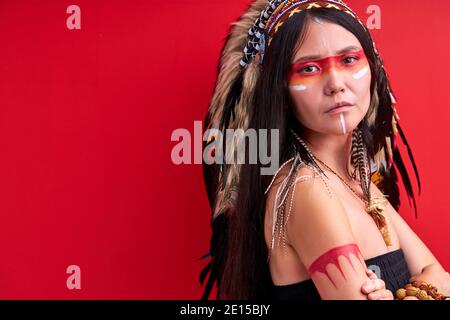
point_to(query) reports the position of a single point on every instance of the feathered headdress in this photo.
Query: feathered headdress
(238, 72)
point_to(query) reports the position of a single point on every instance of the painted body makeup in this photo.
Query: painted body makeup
(342, 122)
(331, 257)
(361, 73)
(306, 73)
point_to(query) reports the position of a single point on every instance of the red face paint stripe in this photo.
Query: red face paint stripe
(325, 65)
(331, 256)
(328, 60)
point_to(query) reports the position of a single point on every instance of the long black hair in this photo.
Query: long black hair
(238, 248)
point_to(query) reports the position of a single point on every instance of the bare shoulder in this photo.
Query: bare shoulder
(314, 201)
(303, 174)
(318, 221)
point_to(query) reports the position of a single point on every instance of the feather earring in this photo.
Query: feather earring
(361, 161)
(374, 205)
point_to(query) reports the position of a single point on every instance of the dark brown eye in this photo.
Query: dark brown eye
(349, 61)
(308, 69)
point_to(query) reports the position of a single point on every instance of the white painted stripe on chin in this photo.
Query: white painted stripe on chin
(341, 118)
(361, 73)
(300, 87)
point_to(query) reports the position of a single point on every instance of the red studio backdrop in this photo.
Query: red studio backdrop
(86, 116)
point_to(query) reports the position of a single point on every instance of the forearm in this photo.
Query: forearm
(436, 275)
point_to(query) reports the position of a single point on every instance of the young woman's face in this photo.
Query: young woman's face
(330, 67)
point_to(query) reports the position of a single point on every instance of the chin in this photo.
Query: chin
(352, 119)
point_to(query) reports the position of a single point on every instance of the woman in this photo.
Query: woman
(311, 70)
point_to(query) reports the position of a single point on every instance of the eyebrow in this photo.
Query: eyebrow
(317, 57)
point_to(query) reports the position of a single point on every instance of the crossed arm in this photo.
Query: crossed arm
(421, 262)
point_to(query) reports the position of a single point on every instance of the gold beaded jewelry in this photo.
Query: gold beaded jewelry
(420, 290)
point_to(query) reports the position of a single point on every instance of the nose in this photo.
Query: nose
(334, 83)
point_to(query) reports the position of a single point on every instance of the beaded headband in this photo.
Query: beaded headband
(273, 17)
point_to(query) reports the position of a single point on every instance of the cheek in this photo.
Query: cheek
(361, 80)
(365, 92)
(303, 109)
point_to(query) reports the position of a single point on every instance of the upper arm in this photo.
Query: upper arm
(321, 235)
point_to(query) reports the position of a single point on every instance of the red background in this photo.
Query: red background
(86, 117)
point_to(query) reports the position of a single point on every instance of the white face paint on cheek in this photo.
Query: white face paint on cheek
(300, 87)
(361, 73)
(342, 122)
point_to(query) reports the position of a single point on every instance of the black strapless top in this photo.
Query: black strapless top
(392, 265)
